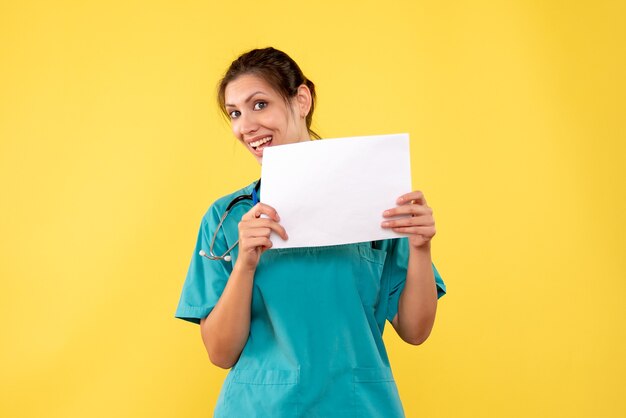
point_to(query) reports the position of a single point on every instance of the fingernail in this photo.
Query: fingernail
(386, 212)
(385, 224)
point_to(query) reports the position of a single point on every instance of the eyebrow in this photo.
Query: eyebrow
(245, 101)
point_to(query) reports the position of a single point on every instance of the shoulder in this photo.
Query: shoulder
(219, 206)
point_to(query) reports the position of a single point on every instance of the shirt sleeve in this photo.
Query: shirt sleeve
(396, 263)
(206, 278)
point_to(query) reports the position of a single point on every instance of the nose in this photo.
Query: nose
(247, 124)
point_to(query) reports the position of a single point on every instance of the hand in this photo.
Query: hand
(420, 225)
(254, 233)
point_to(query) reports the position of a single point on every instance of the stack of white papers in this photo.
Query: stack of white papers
(334, 191)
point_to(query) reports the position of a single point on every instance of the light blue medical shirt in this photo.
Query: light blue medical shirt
(315, 347)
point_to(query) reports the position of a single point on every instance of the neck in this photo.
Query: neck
(305, 136)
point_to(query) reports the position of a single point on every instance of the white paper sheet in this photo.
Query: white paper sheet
(334, 191)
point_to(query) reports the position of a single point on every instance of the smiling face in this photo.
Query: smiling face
(261, 118)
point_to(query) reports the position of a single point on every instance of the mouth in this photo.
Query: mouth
(260, 143)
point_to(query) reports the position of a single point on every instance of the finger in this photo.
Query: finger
(261, 225)
(257, 223)
(253, 223)
(266, 231)
(416, 196)
(278, 228)
(261, 209)
(428, 231)
(423, 220)
(257, 242)
(408, 210)
(256, 232)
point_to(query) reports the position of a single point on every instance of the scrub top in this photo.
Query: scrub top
(315, 347)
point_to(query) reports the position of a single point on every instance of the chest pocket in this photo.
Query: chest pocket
(368, 273)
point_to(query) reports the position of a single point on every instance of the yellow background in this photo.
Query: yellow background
(112, 148)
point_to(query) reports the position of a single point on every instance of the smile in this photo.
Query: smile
(262, 141)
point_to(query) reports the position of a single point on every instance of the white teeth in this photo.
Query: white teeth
(260, 142)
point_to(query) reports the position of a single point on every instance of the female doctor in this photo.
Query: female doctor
(301, 328)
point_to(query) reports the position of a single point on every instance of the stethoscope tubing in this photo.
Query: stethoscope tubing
(254, 197)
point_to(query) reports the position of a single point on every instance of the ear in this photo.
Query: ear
(303, 100)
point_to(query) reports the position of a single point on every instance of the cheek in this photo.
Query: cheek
(234, 127)
(271, 120)
(276, 119)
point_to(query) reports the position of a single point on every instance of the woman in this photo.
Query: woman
(302, 327)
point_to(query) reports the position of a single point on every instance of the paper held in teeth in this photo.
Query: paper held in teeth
(334, 191)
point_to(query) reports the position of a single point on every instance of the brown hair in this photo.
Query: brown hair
(277, 69)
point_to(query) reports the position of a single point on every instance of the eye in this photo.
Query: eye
(234, 114)
(260, 105)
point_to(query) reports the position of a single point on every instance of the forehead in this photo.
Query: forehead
(241, 88)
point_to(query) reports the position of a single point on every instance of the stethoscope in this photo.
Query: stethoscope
(254, 197)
